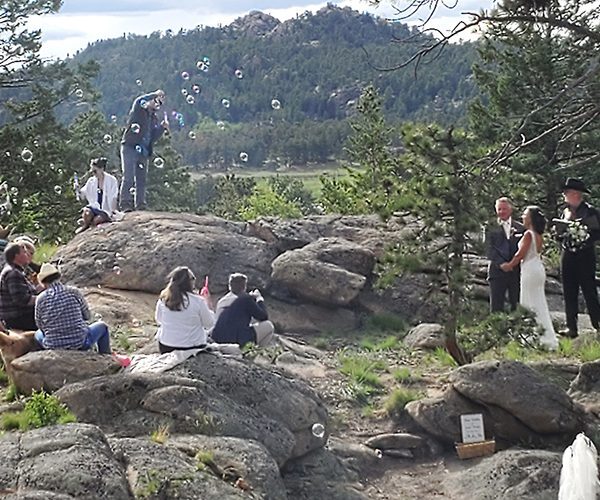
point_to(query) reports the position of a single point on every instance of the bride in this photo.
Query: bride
(533, 274)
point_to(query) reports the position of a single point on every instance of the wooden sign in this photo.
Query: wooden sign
(472, 428)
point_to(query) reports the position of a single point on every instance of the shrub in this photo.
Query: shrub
(386, 323)
(402, 375)
(443, 357)
(362, 370)
(398, 399)
(160, 435)
(40, 410)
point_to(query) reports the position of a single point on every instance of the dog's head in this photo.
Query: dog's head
(13, 345)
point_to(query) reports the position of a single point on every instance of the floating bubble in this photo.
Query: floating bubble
(107, 138)
(36, 143)
(14, 191)
(244, 156)
(159, 162)
(318, 430)
(196, 89)
(7, 153)
(379, 453)
(144, 103)
(131, 190)
(275, 104)
(225, 103)
(26, 203)
(79, 93)
(185, 75)
(98, 316)
(192, 135)
(26, 155)
(201, 65)
(190, 99)
(138, 82)
(138, 148)
(141, 165)
(221, 125)
(113, 118)
(167, 185)
(135, 128)
(116, 270)
(206, 60)
(136, 322)
(184, 92)
(239, 74)
(57, 189)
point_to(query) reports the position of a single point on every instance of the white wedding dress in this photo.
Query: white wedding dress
(533, 295)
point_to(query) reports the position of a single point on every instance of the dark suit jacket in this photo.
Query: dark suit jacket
(501, 249)
(149, 128)
(590, 217)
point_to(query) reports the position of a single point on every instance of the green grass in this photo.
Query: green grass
(121, 340)
(11, 393)
(398, 399)
(386, 323)
(40, 410)
(149, 484)
(389, 343)
(362, 370)
(402, 375)
(160, 435)
(590, 351)
(45, 251)
(204, 458)
(565, 347)
(3, 376)
(442, 356)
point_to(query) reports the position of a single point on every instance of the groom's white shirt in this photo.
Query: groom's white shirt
(506, 225)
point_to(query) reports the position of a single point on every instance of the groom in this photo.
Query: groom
(578, 268)
(502, 242)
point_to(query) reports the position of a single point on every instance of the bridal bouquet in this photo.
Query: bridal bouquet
(575, 236)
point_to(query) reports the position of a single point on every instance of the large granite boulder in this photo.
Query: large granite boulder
(329, 271)
(138, 252)
(426, 336)
(51, 369)
(585, 389)
(510, 474)
(206, 395)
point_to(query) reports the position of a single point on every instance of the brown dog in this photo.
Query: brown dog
(13, 345)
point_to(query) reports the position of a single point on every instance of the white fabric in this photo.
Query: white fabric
(579, 473)
(185, 328)
(506, 225)
(159, 363)
(533, 295)
(109, 196)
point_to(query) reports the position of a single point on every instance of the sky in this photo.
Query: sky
(80, 22)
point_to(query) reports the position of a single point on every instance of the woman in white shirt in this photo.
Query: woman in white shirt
(184, 317)
(101, 192)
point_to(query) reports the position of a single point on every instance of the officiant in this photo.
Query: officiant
(502, 242)
(578, 260)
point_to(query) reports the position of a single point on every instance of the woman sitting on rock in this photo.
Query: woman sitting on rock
(184, 317)
(101, 192)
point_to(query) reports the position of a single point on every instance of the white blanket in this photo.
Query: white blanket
(158, 363)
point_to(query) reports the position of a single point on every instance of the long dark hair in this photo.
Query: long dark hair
(538, 220)
(181, 282)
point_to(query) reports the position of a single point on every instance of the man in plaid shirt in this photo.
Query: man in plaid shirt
(61, 313)
(17, 293)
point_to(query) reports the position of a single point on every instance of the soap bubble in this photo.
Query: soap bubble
(318, 430)
(132, 190)
(141, 165)
(159, 162)
(238, 74)
(185, 75)
(244, 156)
(221, 125)
(190, 99)
(7, 153)
(135, 128)
(167, 185)
(113, 118)
(275, 104)
(26, 155)
(379, 453)
(144, 103)
(14, 191)
(57, 189)
(203, 64)
(196, 89)
(138, 82)
(116, 270)
(184, 92)
(138, 148)
(225, 103)
(136, 322)
(107, 138)
(79, 93)
(192, 135)
(98, 316)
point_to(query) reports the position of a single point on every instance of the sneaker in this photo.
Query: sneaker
(569, 333)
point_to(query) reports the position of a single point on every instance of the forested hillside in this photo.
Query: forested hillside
(278, 90)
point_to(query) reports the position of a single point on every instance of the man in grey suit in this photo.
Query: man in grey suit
(502, 244)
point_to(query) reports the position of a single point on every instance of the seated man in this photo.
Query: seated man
(61, 313)
(17, 293)
(242, 317)
(101, 192)
(32, 269)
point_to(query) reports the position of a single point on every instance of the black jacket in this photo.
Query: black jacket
(147, 129)
(233, 324)
(588, 216)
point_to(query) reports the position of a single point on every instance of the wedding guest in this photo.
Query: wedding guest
(533, 275)
(143, 129)
(62, 313)
(17, 293)
(242, 317)
(578, 262)
(183, 316)
(101, 192)
(501, 242)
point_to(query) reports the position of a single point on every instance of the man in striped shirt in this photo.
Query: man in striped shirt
(61, 313)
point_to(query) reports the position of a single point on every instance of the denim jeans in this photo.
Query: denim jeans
(135, 168)
(97, 334)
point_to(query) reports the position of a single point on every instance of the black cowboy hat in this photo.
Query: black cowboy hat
(575, 185)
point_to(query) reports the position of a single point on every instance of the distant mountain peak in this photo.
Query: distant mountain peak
(255, 23)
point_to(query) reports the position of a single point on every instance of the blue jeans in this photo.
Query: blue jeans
(97, 334)
(135, 167)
